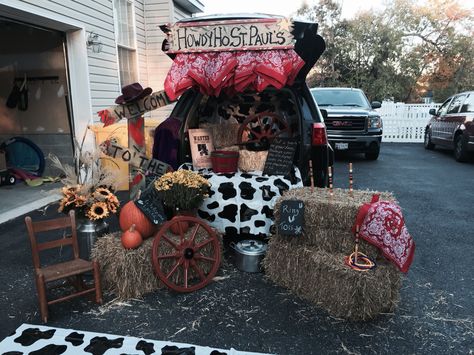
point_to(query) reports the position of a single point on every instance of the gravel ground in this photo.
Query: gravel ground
(248, 312)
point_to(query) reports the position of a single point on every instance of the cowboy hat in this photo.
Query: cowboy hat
(132, 92)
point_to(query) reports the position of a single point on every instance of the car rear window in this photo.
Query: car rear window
(340, 98)
(238, 107)
(468, 105)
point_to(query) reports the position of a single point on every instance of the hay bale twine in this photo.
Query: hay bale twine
(323, 279)
(129, 273)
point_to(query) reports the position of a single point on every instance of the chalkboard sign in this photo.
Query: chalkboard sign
(291, 217)
(152, 206)
(280, 157)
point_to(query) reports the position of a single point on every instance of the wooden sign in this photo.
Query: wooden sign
(230, 35)
(152, 207)
(134, 109)
(280, 157)
(291, 217)
(134, 157)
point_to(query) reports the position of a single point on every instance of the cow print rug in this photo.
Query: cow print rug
(42, 340)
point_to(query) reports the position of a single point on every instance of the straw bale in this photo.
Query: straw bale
(329, 240)
(129, 273)
(224, 134)
(328, 220)
(323, 279)
(252, 161)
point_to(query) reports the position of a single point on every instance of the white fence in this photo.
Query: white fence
(404, 122)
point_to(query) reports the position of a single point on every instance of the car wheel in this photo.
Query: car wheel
(372, 154)
(460, 152)
(11, 180)
(427, 143)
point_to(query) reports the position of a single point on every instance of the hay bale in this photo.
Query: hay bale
(323, 279)
(328, 220)
(224, 134)
(327, 212)
(252, 161)
(129, 273)
(329, 240)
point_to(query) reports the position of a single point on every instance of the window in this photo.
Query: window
(468, 105)
(456, 104)
(444, 107)
(125, 33)
(340, 98)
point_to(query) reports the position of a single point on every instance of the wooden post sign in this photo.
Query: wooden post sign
(134, 157)
(134, 111)
(230, 35)
(291, 217)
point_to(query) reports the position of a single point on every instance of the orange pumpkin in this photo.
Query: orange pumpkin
(131, 238)
(131, 214)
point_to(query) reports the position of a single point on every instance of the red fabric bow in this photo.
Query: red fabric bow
(381, 224)
(232, 71)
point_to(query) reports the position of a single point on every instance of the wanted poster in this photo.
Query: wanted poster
(202, 145)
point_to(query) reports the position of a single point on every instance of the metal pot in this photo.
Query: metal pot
(249, 255)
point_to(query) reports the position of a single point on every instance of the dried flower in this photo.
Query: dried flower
(89, 185)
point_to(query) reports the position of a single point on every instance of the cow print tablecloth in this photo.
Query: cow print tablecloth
(42, 340)
(243, 202)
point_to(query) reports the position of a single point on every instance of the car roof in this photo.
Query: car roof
(336, 88)
(221, 17)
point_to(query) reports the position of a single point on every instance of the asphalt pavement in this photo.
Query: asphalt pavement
(248, 312)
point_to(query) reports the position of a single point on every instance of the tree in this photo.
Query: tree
(400, 53)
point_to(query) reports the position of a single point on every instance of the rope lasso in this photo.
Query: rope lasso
(357, 260)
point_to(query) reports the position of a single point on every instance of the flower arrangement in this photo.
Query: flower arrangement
(182, 189)
(89, 185)
(93, 203)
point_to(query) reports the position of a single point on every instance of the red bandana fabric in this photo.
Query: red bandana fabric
(232, 71)
(384, 227)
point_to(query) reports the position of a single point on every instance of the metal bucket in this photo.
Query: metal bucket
(249, 255)
(87, 233)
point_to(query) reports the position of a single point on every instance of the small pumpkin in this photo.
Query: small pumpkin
(131, 238)
(131, 214)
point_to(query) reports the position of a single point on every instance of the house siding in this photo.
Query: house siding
(159, 12)
(97, 16)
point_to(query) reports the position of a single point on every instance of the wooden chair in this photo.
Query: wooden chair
(71, 271)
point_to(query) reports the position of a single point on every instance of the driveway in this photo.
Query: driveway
(248, 312)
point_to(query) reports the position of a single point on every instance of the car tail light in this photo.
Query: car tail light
(319, 136)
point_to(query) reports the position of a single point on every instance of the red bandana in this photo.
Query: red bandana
(381, 223)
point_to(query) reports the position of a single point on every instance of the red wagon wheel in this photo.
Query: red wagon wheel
(186, 254)
(259, 130)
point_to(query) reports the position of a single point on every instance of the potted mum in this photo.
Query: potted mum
(183, 191)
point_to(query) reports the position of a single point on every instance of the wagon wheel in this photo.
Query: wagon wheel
(258, 131)
(186, 261)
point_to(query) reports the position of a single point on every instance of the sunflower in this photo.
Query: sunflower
(70, 190)
(70, 199)
(80, 201)
(102, 193)
(98, 210)
(113, 203)
(62, 204)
